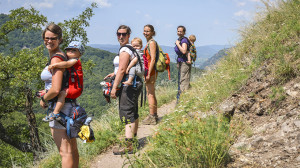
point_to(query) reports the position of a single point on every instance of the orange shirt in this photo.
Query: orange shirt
(146, 52)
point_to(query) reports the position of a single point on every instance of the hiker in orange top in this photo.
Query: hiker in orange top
(52, 36)
(150, 52)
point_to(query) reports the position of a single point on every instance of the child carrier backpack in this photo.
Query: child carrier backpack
(73, 78)
(75, 81)
(162, 60)
(140, 68)
(193, 53)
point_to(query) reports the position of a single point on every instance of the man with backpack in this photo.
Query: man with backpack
(184, 68)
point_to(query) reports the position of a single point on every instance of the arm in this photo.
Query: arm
(152, 46)
(123, 63)
(183, 48)
(132, 63)
(63, 64)
(189, 61)
(57, 77)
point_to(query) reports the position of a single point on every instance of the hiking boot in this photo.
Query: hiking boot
(122, 149)
(150, 120)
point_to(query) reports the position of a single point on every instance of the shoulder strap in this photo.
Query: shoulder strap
(134, 52)
(61, 57)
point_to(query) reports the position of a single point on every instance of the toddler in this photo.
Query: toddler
(136, 43)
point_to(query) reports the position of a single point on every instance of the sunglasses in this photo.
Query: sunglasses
(123, 34)
(50, 38)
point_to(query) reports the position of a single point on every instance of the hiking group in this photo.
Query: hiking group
(133, 66)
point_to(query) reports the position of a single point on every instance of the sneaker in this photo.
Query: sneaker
(122, 149)
(150, 120)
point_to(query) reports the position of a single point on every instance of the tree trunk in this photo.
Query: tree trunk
(35, 140)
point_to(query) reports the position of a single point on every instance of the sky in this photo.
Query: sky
(213, 22)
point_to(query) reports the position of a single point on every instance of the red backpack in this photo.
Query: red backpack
(73, 78)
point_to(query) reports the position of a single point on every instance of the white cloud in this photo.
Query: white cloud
(242, 13)
(101, 3)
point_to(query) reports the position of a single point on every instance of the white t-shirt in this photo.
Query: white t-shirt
(116, 64)
(46, 76)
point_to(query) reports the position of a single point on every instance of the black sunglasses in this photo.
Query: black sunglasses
(123, 34)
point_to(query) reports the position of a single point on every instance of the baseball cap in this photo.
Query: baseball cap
(76, 44)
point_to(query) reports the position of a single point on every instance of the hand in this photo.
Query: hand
(177, 42)
(43, 104)
(147, 79)
(188, 62)
(127, 71)
(177, 65)
(109, 75)
(51, 67)
(113, 93)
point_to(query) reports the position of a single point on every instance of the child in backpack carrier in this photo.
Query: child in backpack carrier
(192, 55)
(74, 51)
(136, 43)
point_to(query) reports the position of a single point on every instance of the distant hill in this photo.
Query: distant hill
(203, 52)
(212, 60)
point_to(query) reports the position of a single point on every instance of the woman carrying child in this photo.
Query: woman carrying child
(128, 99)
(52, 36)
(150, 52)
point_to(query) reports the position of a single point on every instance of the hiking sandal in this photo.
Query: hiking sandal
(51, 117)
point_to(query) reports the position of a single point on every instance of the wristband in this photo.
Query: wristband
(43, 99)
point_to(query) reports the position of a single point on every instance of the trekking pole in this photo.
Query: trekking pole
(178, 93)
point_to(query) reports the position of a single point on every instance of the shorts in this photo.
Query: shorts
(128, 103)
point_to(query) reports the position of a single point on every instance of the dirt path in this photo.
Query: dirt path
(109, 160)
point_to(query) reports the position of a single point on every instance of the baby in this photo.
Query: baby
(74, 51)
(136, 43)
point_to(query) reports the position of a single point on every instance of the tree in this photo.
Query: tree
(19, 71)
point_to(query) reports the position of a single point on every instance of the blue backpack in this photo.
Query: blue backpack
(75, 122)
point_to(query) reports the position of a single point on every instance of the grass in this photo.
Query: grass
(182, 142)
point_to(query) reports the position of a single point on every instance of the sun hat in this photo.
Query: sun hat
(76, 44)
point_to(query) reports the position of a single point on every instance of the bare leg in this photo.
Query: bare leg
(67, 148)
(60, 102)
(150, 87)
(131, 129)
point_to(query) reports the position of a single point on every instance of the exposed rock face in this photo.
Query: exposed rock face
(273, 113)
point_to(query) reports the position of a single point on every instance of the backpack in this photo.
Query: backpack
(141, 68)
(73, 78)
(162, 60)
(193, 53)
(74, 122)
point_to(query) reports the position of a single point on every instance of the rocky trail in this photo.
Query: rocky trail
(109, 160)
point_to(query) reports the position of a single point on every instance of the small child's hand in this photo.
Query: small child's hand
(51, 67)
(127, 71)
(189, 62)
